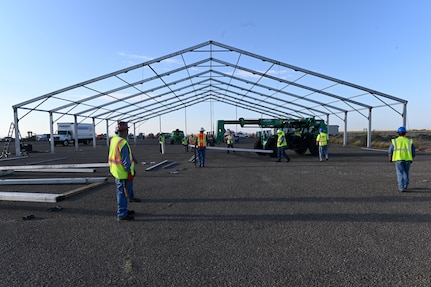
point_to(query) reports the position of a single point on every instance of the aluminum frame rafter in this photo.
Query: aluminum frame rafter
(208, 72)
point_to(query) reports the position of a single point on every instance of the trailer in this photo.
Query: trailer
(66, 134)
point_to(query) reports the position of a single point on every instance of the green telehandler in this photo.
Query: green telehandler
(300, 133)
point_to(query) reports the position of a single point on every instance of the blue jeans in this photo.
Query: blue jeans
(122, 199)
(282, 151)
(201, 155)
(323, 152)
(403, 168)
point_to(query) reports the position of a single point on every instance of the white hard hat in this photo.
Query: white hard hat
(202, 129)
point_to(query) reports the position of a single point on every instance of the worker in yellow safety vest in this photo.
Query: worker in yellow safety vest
(322, 143)
(281, 146)
(122, 167)
(192, 141)
(185, 143)
(230, 139)
(402, 151)
(162, 140)
(201, 147)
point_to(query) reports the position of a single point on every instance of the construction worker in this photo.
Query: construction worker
(230, 139)
(122, 167)
(322, 143)
(402, 151)
(296, 138)
(162, 143)
(192, 141)
(281, 146)
(185, 143)
(201, 147)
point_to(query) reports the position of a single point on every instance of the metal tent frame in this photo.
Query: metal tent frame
(210, 71)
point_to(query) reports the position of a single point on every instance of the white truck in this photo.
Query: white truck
(66, 134)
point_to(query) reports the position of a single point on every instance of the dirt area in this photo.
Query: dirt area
(381, 139)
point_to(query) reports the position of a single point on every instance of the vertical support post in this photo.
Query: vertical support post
(107, 133)
(94, 133)
(369, 128)
(185, 121)
(51, 131)
(135, 138)
(16, 127)
(160, 124)
(345, 129)
(405, 114)
(75, 132)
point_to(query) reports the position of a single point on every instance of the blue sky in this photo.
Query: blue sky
(383, 45)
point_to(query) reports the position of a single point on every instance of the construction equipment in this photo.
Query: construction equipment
(300, 133)
(177, 136)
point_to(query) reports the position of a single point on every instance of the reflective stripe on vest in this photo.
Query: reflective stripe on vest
(322, 138)
(202, 141)
(402, 149)
(114, 159)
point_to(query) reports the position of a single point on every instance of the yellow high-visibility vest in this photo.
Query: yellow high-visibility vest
(322, 139)
(114, 159)
(402, 149)
(281, 140)
(229, 139)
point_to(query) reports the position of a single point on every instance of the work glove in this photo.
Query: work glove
(130, 177)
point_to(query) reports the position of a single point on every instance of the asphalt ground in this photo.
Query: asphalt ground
(243, 220)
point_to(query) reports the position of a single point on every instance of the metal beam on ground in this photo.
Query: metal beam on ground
(48, 160)
(156, 165)
(52, 180)
(84, 188)
(59, 166)
(240, 149)
(61, 170)
(169, 165)
(31, 197)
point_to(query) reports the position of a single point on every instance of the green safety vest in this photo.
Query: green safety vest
(116, 166)
(402, 149)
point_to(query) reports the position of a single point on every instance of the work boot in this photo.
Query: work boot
(127, 217)
(134, 200)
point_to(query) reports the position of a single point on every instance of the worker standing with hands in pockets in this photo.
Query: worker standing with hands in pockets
(122, 167)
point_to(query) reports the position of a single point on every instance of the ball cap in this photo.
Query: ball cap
(121, 126)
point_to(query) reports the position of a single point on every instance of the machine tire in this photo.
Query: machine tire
(258, 145)
(65, 143)
(301, 150)
(314, 149)
(272, 145)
